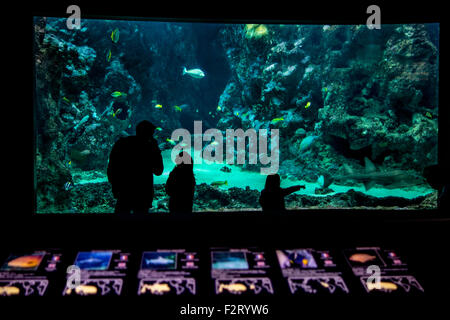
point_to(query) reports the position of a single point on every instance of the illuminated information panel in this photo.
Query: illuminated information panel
(168, 272)
(28, 273)
(102, 273)
(240, 272)
(310, 271)
(382, 271)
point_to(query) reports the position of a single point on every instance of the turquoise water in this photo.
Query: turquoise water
(336, 94)
(208, 172)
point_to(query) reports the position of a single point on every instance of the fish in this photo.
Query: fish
(381, 285)
(66, 100)
(194, 73)
(361, 257)
(219, 183)
(271, 67)
(429, 115)
(219, 108)
(236, 114)
(86, 152)
(277, 120)
(68, 185)
(115, 35)
(9, 291)
(86, 290)
(117, 112)
(108, 56)
(159, 261)
(255, 31)
(308, 105)
(232, 287)
(158, 129)
(171, 141)
(177, 108)
(117, 94)
(307, 142)
(156, 288)
(324, 284)
(158, 106)
(389, 179)
(25, 262)
(260, 31)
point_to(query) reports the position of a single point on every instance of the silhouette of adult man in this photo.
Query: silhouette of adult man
(180, 185)
(132, 162)
(272, 196)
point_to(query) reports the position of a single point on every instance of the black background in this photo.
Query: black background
(422, 236)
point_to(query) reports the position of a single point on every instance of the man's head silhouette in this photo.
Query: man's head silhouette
(145, 129)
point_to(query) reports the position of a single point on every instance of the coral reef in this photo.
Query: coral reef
(336, 93)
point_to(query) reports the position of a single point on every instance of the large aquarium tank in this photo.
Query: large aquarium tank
(354, 110)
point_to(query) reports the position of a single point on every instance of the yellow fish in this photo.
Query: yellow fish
(429, 115)
(277, 120)
(66, 100)
(158, 106)
(237, 114)
(117, 94)
(171, 141)
(308, 105)
(117, 112)
(177, 108)
(219, 108)
(255, 31)
(260, 31)
(115, 35)
(158, 128)
(108, 56)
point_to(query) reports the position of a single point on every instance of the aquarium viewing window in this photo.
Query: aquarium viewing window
(347, 112)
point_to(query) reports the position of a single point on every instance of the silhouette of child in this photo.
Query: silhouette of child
(272, 196)
(180, 185)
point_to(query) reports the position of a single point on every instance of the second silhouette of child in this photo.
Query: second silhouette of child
(272, 196)
(180, 185)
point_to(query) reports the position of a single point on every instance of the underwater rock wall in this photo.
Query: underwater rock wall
(375, 90)
(98, 198)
